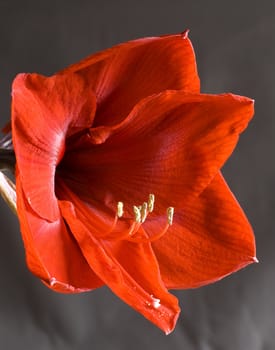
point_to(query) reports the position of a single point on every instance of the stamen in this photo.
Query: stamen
(143, 212)
(151, 202)
(119, 209)
(132, 230)
(137, 213)
(136, 232)
(119, 214)
(170, 214)
(151, 238)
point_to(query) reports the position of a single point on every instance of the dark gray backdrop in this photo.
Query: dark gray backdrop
(235, 52)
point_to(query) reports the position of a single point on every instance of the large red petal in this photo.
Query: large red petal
(171, 145)
(52, 253)
(125, 74)
(130, 270)
(210, 238)
(44, 112)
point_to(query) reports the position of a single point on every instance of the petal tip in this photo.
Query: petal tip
(172, 324)
(243, 99)
(185, 33)
(249, 101)
(17, 81)
(255, 260)
(61, 287)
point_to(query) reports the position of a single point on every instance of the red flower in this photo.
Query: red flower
(107, 134)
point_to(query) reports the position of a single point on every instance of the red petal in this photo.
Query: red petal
(210, 238)
(129, 269)
(125, 74)
(44, 112)
(52, 253)
(171, 145)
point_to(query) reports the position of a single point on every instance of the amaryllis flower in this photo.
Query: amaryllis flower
(118, 179)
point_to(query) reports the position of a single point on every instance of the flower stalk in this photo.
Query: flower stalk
(8, 192)
(7, 163)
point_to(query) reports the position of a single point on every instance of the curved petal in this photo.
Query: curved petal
(125, 74)
(52, 253)
(210, 238)
(130, 270)
(44, 112)
(171, 145)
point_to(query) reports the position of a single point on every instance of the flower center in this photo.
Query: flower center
(135, 231)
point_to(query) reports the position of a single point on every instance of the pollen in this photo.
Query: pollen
(119, 209)
(170, 214)
(137, 213)
(143, 211)
(151, 202)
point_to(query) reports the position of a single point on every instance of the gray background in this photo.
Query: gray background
(235, 52)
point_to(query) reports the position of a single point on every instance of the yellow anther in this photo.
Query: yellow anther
(143, 212)
(170, 213)
(151, 202)
(119, 209)
(137, 213)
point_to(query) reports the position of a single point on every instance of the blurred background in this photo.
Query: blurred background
(235, 52)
